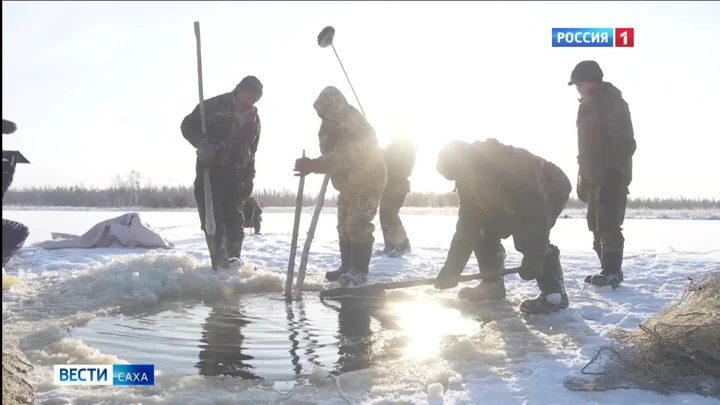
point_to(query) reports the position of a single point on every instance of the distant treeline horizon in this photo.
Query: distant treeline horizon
(183, 197)
(132, 190)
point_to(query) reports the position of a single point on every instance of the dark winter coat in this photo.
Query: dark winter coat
(239, 139)
(505, 191)
(399, 159)
(349, 146)
(252, 210)
(606, 140)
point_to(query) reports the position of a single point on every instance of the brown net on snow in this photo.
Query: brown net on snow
(677, 350)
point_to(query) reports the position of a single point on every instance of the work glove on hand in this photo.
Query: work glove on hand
(611, 188)
(208, 151)
(531, 268)
(305, 166)
(447, 278)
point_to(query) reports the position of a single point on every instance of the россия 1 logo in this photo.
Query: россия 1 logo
(104, 374)
(593, 37)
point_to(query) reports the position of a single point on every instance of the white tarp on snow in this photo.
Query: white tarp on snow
(127, 230)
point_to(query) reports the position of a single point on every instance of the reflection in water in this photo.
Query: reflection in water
(254, 337)
(222, 343)
(359, 344)
(310, 338)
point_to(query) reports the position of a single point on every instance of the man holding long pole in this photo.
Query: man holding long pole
(228, 150)
(353, 159)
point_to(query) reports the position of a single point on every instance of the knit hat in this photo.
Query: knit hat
(250, 83)
(586, 71)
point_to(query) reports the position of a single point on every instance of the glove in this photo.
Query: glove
(305, 166)
(531, 268)
(447, 278)
(8, 169)
(610, 188)
(247, 188)
(208, 151)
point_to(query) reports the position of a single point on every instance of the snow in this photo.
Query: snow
(501, 358)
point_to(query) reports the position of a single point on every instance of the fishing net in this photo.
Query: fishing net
(16, 389)
(677, 350)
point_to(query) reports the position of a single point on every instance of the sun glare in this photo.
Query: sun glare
(426, 324)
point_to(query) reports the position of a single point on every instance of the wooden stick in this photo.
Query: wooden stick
(370, 290)
(296, 231)
(311, 233)
(210, 226)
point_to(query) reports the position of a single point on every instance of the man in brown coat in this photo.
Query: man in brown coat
(228, 150)
(606, 145)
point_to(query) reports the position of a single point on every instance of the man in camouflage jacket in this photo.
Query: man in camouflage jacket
(353, 159)
(505, 191)
(228, 151)
(606, 145)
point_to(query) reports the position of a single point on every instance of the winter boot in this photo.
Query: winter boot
(552, 287)
(233, 247)
(611, 274)
(361, 253)
(384, 251)
(219, 260)
(491, 289)
(345, 262)
(400, 249)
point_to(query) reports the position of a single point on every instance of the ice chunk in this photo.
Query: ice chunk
(318, 377)
(435, 390)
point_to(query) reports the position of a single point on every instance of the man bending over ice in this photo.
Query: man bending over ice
(505, 191)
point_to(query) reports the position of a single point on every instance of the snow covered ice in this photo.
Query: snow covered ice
(489, 355)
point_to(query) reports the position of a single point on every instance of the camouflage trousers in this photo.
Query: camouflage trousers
(392, 227)
(355, 213)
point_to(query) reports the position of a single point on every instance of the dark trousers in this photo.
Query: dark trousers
(392, 227)
(605, 222)
(13, 238)
(253, 218)
(228, 192)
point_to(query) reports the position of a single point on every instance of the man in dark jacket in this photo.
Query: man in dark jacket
(354, 160)
(399, 159)
(606, 145)
(228, 150)
(14, 233)
(252, 212)
(505, 191)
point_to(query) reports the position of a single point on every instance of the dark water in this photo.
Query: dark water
(261, 336)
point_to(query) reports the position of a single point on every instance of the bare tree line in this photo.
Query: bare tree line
(132, 191)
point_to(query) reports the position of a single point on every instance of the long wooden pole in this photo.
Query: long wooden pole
(296, 231)
(210, 226)
(369, 290)
(310, 235)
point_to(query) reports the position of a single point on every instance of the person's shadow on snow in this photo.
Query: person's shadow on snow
(221, 344)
